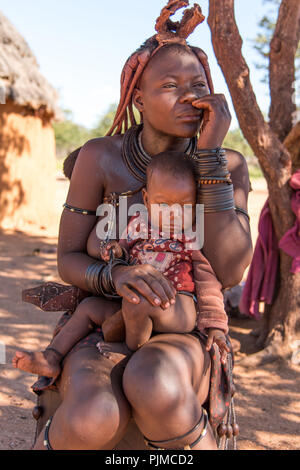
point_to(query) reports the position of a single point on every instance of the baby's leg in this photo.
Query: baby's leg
(143, 318)
(91, 312)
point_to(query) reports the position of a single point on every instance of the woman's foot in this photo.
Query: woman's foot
(44, 363)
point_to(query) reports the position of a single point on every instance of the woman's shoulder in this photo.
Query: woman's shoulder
(238, 168)
(236, 161)
(95, 156)
(101, 148)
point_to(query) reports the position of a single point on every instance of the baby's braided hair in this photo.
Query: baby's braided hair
(168, 33)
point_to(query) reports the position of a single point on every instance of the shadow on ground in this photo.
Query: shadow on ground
(26, 261)
(267, 398)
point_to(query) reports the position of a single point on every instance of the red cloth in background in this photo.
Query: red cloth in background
(260, 283)
(290, 242)
(261, 279)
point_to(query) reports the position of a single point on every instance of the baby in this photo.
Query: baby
(198, 302)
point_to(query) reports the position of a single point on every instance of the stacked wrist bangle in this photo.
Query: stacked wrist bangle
(92, 276)
(98, 278)
(216, 199)
(214, 181)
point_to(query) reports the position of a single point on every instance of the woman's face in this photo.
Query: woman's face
(170, 83)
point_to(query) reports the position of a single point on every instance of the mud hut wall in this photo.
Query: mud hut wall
(27, 168)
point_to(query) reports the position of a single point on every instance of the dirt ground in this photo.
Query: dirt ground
(267, 399)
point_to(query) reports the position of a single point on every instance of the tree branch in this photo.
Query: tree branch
(284, 46)
(274, 158)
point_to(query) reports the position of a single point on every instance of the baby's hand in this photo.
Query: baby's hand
(218, 337)
(105, 250)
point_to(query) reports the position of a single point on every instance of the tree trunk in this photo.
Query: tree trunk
(283, 49)
(292, 144)
(275, 159)
(285, 308)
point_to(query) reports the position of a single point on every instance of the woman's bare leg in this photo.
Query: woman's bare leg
(167, 381)
(94, 413)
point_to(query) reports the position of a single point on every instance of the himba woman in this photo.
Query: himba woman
(172, 379)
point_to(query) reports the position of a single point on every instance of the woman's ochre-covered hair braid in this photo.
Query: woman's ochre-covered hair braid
(168, 32)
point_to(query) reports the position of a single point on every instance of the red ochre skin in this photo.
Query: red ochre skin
(167, 380)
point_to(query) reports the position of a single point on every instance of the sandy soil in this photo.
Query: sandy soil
(267, 399)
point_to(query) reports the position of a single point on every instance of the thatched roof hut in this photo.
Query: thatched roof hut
(28, 104)
(20, 76)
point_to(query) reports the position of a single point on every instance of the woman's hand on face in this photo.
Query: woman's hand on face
(216, 120)
(147, 281)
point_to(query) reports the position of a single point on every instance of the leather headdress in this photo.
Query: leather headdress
(169, 31)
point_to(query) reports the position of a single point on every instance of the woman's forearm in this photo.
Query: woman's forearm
(72, 268)
(227, 245)
(73, 245)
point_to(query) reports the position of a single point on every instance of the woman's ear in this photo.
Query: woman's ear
(137, 100)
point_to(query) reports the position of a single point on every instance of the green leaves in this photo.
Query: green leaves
(263, 39)
(69, 135)
(236, 141)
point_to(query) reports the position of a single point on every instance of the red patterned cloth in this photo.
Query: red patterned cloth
(187, 269)
(169, 255)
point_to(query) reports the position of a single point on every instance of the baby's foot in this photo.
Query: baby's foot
(40, 363)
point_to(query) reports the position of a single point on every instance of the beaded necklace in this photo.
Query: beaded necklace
(135, 157)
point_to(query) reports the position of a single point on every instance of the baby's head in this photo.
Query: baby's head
(170, 180)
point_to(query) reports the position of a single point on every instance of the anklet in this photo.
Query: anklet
(57, 353)
(188, 446)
